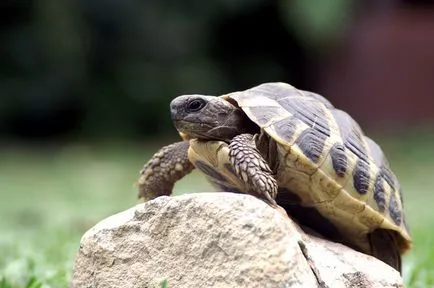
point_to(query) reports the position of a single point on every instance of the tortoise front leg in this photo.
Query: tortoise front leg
(167, 166)
(252, 168)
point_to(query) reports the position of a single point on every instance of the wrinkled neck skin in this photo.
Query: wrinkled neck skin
(218, 120)
(230, 125)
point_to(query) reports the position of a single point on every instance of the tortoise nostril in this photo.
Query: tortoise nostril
(174, 109)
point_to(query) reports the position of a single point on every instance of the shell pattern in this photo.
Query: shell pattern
(324, 157)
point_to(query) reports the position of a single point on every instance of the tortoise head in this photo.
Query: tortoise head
(208, 117)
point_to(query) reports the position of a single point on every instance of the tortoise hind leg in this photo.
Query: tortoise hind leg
(167, 166)
(252, 168)
(384, 247)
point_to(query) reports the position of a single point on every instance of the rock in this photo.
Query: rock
(217, 240)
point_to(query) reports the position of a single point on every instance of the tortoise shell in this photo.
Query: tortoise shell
(322, 160)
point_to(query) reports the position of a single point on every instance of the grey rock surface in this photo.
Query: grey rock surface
(217, 240)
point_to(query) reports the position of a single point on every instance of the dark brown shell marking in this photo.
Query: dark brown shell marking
(351, 134)
(310, 112)
(311, 143)
(339, 159)
(394, 209)
(379, 193)
(286, 128)
(361, 178)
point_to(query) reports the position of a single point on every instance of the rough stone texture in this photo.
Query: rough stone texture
(217, 240)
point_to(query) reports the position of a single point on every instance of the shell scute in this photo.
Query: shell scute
(361, 177)
(310, 112)
(339, 159)
(311, 143)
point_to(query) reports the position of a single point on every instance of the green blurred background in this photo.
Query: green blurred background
(85, 87)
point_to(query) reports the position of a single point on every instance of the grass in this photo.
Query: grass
(50, 197)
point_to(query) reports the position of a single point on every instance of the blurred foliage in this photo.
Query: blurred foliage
(317, 23)
(91, 68)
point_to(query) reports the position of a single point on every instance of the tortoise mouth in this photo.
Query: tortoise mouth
(187, 126)
(190, 129)
(193, 129)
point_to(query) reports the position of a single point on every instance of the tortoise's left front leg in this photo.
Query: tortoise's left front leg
(167, 166)
(252, 168)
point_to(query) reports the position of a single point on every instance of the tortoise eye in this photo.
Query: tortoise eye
(195, 105)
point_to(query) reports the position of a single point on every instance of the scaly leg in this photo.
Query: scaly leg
(167, 166)
(252, 168)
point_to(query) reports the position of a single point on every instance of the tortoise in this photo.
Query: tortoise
(294, 149)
